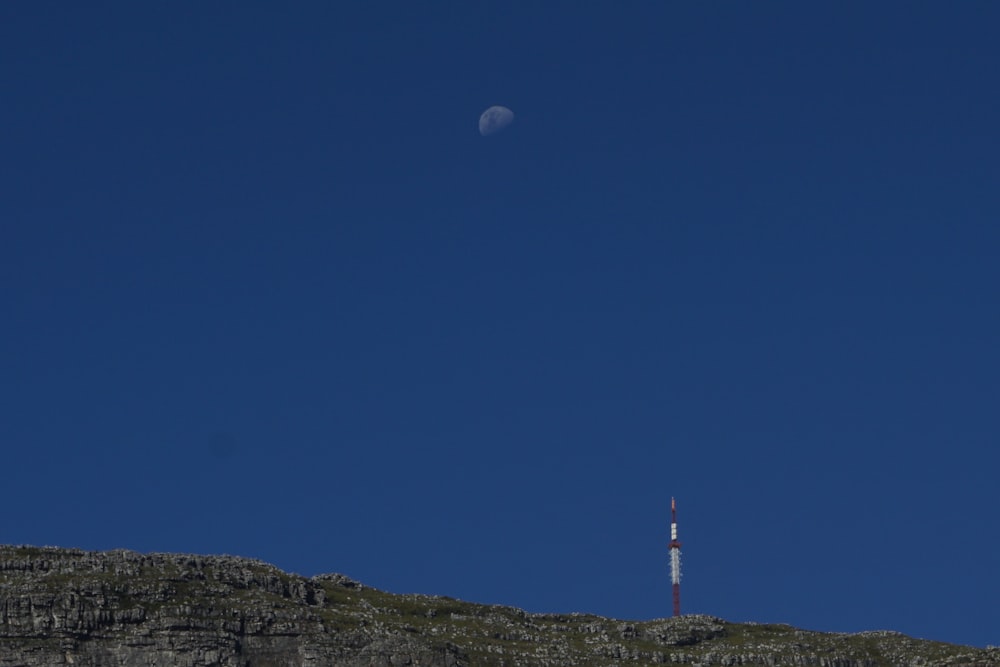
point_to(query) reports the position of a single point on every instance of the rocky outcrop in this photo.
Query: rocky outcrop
(65, 607)
(121, 608)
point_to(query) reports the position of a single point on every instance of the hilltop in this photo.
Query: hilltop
(72, 607)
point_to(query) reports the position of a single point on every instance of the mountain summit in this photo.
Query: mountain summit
(122, 608)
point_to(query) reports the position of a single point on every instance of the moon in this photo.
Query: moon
(495, 119)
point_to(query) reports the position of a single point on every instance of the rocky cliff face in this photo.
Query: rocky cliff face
(69, 607)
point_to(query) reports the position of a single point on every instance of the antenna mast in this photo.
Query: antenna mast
(675, 558)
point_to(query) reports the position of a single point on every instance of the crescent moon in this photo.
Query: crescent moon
(495, 119)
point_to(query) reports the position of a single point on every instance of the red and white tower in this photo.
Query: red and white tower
(675, 558)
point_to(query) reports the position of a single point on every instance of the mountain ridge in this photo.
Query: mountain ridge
(93, 608)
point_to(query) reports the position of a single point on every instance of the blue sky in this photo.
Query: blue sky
(266, 291)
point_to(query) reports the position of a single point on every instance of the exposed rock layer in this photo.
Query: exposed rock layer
(70, 607)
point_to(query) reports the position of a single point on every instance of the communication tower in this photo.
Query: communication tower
(675, 558)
